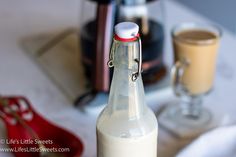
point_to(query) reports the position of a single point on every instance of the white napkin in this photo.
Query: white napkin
(220, 142)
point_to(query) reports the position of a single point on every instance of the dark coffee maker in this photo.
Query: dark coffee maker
(95, 38)
(97, 23)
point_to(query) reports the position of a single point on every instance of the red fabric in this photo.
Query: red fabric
(46, 130)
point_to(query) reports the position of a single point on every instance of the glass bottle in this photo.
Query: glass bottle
(126, 127)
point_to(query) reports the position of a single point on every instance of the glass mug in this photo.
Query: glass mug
(195, 53)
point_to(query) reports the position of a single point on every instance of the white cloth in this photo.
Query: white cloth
(220, 142)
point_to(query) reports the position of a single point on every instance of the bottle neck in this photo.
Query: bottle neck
(125, 54)
(126, 95)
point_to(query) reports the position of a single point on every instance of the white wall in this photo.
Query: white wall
(221, 11)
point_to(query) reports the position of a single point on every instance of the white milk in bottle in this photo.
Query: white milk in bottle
(126, 127)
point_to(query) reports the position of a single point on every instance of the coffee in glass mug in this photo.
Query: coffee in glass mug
(197, 48)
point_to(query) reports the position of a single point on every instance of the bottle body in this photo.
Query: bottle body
(125, 133)
(126, 127)
(144, 144)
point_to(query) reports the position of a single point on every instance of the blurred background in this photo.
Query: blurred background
(48, 54)
(215, 10)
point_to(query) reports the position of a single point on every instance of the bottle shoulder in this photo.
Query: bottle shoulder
(119, 123)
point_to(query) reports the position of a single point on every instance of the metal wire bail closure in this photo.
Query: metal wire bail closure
(138, 61)
(135, 75)
(111, 57)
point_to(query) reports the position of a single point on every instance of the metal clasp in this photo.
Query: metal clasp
(138, 61)
(135, 75)
(111, 56)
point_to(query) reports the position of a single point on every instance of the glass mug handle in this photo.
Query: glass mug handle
(177, 72)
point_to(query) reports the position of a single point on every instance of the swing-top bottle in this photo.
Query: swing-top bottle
(126, 127)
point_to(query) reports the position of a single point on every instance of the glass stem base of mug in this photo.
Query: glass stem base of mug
(191, 106)
(186, 121)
